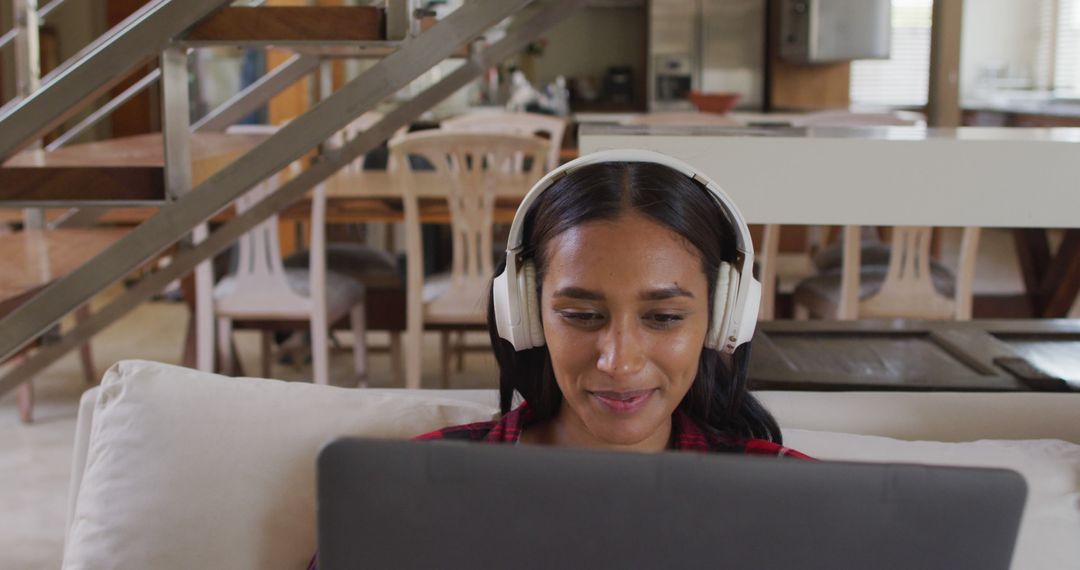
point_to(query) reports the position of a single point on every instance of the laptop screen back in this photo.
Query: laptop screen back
(457, 505)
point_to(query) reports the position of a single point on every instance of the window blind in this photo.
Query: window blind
(1067, 50)
(902, 80)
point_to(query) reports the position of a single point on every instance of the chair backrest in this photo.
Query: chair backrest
(552, 128)
(259, 276)
(359, 125)
(475, 166)
(908, 289)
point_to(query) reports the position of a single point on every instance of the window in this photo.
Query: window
(1067, 47)
(1059, 43)
(903, 80)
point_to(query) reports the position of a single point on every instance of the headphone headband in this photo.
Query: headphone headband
(742, 232)
(737, 293)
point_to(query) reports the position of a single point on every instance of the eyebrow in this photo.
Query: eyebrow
(665, 293)
(652, 295)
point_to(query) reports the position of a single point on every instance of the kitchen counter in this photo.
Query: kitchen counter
(989, 177)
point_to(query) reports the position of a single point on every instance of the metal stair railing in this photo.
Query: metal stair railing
(177, 219)
(39, 16)
(96, 69)
(255, 95)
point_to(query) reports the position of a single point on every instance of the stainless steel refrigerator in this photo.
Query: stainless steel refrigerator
(719, 45)
(705, 45)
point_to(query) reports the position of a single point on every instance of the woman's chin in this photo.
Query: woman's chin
(625, 430)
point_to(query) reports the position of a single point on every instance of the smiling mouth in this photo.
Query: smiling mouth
(623, 402)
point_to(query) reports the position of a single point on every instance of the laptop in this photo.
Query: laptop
(449, 505)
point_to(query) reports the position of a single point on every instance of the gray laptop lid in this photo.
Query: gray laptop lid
(455, 505)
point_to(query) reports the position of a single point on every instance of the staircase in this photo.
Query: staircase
(180, 172)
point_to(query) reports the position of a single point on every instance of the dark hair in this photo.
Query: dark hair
(718, 398)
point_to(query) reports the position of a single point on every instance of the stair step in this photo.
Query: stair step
(283, 25)
(31, 259)
(366, 50)
(126, 171)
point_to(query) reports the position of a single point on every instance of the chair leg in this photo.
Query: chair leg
(86, 353)
(460, 352)
(320, 353)
(444, 355)
(357, 320)
(25, 395)
(266, 352)
(397, 362)
(224, 342)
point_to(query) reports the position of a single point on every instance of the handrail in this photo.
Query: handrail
(357, 96)
(99, 67)
(95, 117)
(45, 10)
(177, 218)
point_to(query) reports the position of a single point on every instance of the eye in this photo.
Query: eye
(664, 320)
(582, 318)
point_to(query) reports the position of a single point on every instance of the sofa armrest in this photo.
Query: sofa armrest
(82, 443)
(935, 416)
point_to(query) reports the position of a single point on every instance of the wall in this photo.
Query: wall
(590, 41)
(733, 50)
(794, 87)
(998, 34)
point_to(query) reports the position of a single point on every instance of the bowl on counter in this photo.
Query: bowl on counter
(720, 102)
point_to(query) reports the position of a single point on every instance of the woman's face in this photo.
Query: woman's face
(625, 311)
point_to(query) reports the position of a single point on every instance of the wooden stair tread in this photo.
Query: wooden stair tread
(289, 24)
(31, 259)
(126, 170)
(138, 150)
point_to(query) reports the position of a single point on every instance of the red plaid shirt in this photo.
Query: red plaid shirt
(688, 436)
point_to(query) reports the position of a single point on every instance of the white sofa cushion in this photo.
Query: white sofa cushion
(1050, 525)
(193, 470)
(185, 469)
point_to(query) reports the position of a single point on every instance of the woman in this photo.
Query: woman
(633, 265)
(622, 315)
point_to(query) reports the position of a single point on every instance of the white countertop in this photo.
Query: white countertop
(990, 177)
(996, 134)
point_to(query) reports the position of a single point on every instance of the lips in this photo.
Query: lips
(623, 402)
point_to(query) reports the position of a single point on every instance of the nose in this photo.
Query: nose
(621, 348)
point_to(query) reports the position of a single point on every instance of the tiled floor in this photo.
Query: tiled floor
(35, 459)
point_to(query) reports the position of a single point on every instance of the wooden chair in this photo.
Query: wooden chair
(872, 250)
(31, 260)
(550, 127)
(372, 261)
(910, 286)
(475, 165)
(261, 288)
(25, 391)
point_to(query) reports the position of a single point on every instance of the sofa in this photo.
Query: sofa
(175, 468)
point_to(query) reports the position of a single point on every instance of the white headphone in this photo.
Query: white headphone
(737, 296)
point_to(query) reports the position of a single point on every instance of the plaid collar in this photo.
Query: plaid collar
(686, 433)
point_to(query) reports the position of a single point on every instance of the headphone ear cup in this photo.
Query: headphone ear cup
(530, 310)
(727, 287)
